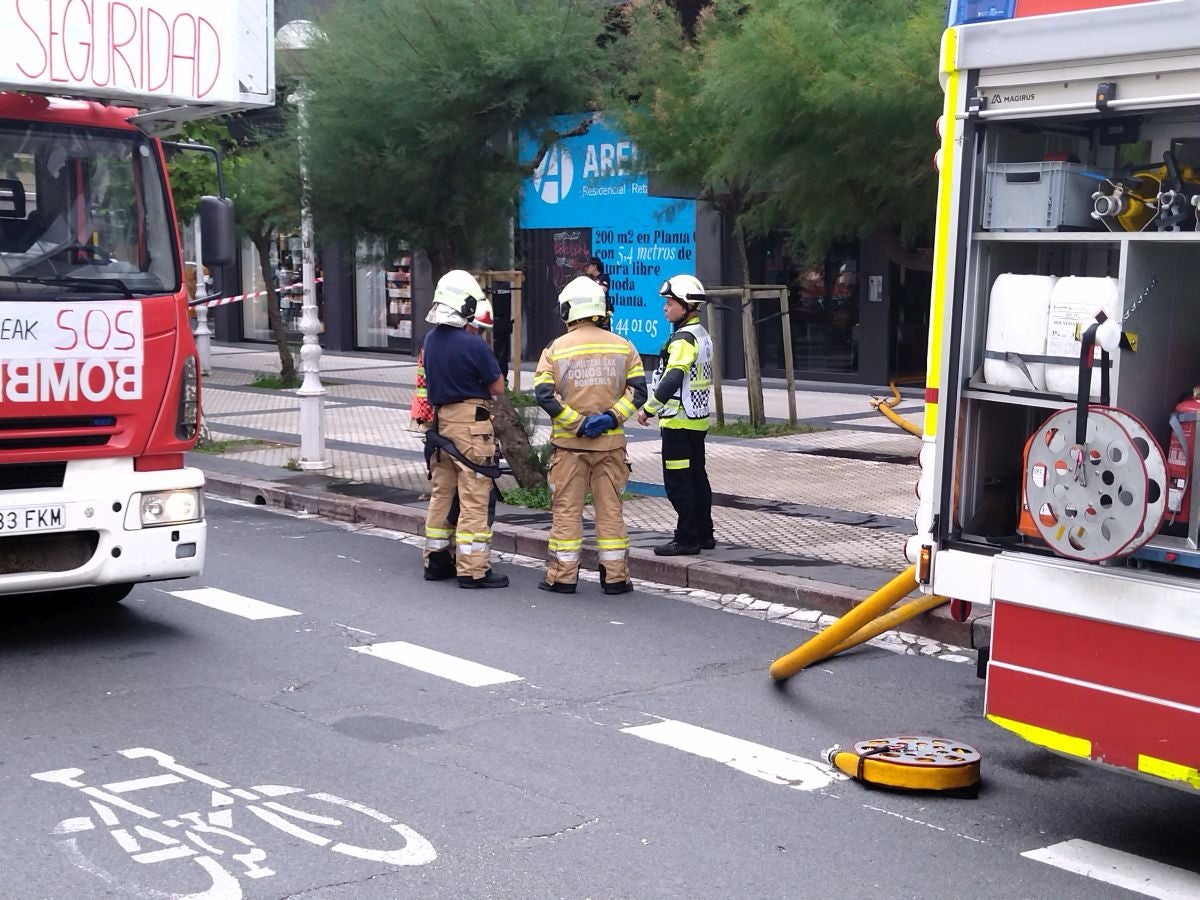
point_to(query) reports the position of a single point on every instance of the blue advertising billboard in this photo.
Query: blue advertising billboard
(587, 199)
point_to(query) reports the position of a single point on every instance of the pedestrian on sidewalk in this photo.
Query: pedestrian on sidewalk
(462, 376)
(589, 381)
(681, 387)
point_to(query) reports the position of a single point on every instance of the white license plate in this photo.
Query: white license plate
(20, 519)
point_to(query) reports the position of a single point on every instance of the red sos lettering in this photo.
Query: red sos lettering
(96, 329)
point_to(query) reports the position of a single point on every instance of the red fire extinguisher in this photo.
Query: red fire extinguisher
(1179, 457)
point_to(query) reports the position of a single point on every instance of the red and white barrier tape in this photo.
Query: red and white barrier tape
(238, 298)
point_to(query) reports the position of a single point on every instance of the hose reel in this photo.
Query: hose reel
(1096, 478)
(916, 763)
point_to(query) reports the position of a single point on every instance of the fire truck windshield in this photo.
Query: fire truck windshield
(82, 209)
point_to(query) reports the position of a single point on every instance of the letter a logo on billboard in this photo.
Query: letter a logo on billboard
(554, 174)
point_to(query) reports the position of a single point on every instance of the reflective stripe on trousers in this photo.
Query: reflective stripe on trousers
(572, 474)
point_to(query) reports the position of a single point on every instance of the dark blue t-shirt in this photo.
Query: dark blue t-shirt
(458, 365)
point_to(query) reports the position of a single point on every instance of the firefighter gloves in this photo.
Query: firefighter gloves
(595, 425)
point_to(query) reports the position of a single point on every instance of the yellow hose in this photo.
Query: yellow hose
(910, 763)
(885, 407)
(821, 645)
(908, 426)
(890, 620)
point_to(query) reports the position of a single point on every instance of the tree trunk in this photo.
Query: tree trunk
(287, 364)
(754, 388)
(522, 458)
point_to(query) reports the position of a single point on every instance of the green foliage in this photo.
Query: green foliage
(745, 428)
(682, 129)
(193, 174)
(532, 498)
(840, 99)
(418, 103)
(219, 447)
(816, 115)
(270, 381)
(540, 497)
(522, 399)
(263, 179)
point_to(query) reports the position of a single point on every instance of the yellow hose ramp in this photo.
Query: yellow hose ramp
(914, 763)
(885, 407)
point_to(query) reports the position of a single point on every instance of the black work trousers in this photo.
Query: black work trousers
(686, 481)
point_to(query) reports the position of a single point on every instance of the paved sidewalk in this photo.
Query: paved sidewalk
(815, 520)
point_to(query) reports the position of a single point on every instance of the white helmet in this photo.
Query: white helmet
(458, 291)
(687, 289)
(582, 298)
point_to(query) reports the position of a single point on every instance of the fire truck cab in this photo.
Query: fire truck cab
(99, 377)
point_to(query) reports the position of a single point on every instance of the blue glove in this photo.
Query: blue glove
(596, 425)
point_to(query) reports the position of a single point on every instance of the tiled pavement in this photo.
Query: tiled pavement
(808, 525)
(832, 506)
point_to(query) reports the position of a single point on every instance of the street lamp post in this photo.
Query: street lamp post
(294, 39)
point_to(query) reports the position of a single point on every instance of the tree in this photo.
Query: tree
(262, 176)
(263, 179)
(838, 101)
(685, 130)
(415, 107)
(194, 174)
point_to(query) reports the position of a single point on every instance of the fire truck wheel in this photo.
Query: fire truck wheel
(108, 593)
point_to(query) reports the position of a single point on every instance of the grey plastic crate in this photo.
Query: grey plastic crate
(1038, 196)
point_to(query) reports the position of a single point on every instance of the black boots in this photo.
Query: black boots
(556, 587)
(489, 580)
(614, 587)
(440, 566)
(674, 548)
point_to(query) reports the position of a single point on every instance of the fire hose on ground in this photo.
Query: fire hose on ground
(885, 407)
(868, 619)
(920, 763)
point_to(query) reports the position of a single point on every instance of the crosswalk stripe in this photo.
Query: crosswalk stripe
(762, 762)
(433, 662)
(1115, 867)
(215, 598)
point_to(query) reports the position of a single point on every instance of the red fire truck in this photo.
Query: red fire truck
(99, 378)
(1059, 443)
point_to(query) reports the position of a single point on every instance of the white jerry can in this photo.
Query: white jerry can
(1074, 302)
(1018, 310)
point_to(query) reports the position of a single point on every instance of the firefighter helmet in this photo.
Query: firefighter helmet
(459, 292)
(483, 315)
(687, 289)
(582, 298)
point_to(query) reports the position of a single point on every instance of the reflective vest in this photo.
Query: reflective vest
(689, 407)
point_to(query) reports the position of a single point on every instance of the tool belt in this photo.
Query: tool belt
(436, 443)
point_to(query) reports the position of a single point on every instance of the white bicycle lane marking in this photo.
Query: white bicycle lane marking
(194, 835)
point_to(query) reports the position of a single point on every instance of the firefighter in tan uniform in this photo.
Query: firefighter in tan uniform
(462, 376)
(589, 381)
